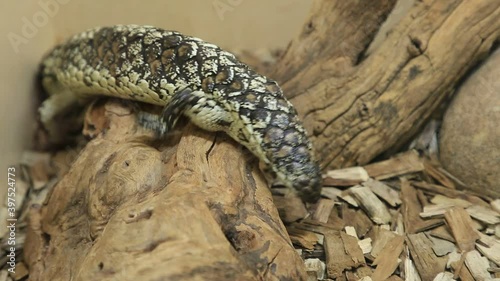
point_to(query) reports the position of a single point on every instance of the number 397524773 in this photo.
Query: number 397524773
(11, 191)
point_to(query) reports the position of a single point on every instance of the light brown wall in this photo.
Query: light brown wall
(228, 23)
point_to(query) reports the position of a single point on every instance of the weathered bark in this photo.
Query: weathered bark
(357, 105)
(194, 208)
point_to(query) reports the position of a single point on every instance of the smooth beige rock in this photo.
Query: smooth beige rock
(470, 134)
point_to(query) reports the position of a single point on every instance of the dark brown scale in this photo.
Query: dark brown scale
(108, 59)
(116, 46)
(273, 88)
(250, 96)
(168, 56)
(153, 53)
(236, 85)
(101, 50)
(208, 84)
(225, 76)
(96, 62)
(185, 52)
(156, 68)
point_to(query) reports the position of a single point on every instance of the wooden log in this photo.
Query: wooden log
(355, 104)
(192, 207)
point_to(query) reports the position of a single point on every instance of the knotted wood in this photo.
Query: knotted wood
(358, 104)
(191, 207)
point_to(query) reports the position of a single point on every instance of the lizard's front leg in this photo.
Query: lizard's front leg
(196, 105)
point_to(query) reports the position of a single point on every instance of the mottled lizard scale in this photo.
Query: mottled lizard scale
(189, 76)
